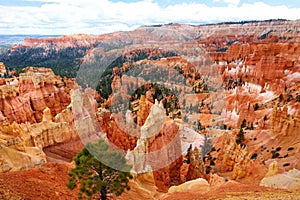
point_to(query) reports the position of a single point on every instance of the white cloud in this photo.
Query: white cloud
(230, 2)
(100, 16)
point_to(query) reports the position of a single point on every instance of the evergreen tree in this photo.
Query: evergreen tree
(95, 177)
(188, 154)
(206, 147)
(243, 125)
(240, 138)
(256, 106)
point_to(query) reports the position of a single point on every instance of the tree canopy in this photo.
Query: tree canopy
(96, 178)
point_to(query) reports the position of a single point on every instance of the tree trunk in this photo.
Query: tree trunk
(103, 193)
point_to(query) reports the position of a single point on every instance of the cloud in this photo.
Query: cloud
(229, 2)
(232, 2)
(102, 16)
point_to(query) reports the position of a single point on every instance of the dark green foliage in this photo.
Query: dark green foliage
(297, 97)
(199, 126)
(233, 83)
(240, 138)
(208, 169)
(264, 36)
(63, 62)
(289, 97)
(223, 126)
(231, 42)
(179, 69)
(94, 176)
(280, 98)
(206, 147)
(247, 21)
(256, 106)
(243, 125)
(185, 118)
(161, 93)
(224, 49)
(188, 154)
(104, 85)
(19, 71)
(275, 154)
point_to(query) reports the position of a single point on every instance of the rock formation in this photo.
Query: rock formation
(196, 167)
(165, 157)
(158, 149)
(143, 111)
(233, 157)
(25, 98)
(117, 133)
(258, 65)
(289, 180)
(273, 169)
(196, 185)
(2, 69)
(22, 144)
(27, 123)
(284, 124)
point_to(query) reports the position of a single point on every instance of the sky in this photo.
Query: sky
(57, 17)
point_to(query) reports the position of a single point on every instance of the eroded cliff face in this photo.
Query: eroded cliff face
(196, 166)
(284, 124)
(233, 157)
(23, 99)
(116, 132)
(165, 149)
(158, 149)
(2, 69)
(228, 72)
(22, 144)
(27, 123)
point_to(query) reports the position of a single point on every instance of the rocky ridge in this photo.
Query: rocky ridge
(253, 61)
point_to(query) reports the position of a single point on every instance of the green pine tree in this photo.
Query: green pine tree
(243, 125)
(240, 138)
(188, 154)
(95, 177)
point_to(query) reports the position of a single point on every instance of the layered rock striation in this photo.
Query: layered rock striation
(34, 115)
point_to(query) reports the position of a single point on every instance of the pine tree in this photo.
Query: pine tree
(94, 176)
(188, 154)
(206, 147)
(243, 125)
(240, 138)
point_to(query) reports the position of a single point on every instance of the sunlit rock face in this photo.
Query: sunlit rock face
(22, 144)
(2, 69)
(232, 157)
(24, 99)
(158, 149)
(288, 180)
(166, 149)
(34, 115)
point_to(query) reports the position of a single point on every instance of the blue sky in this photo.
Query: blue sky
(102, 16)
